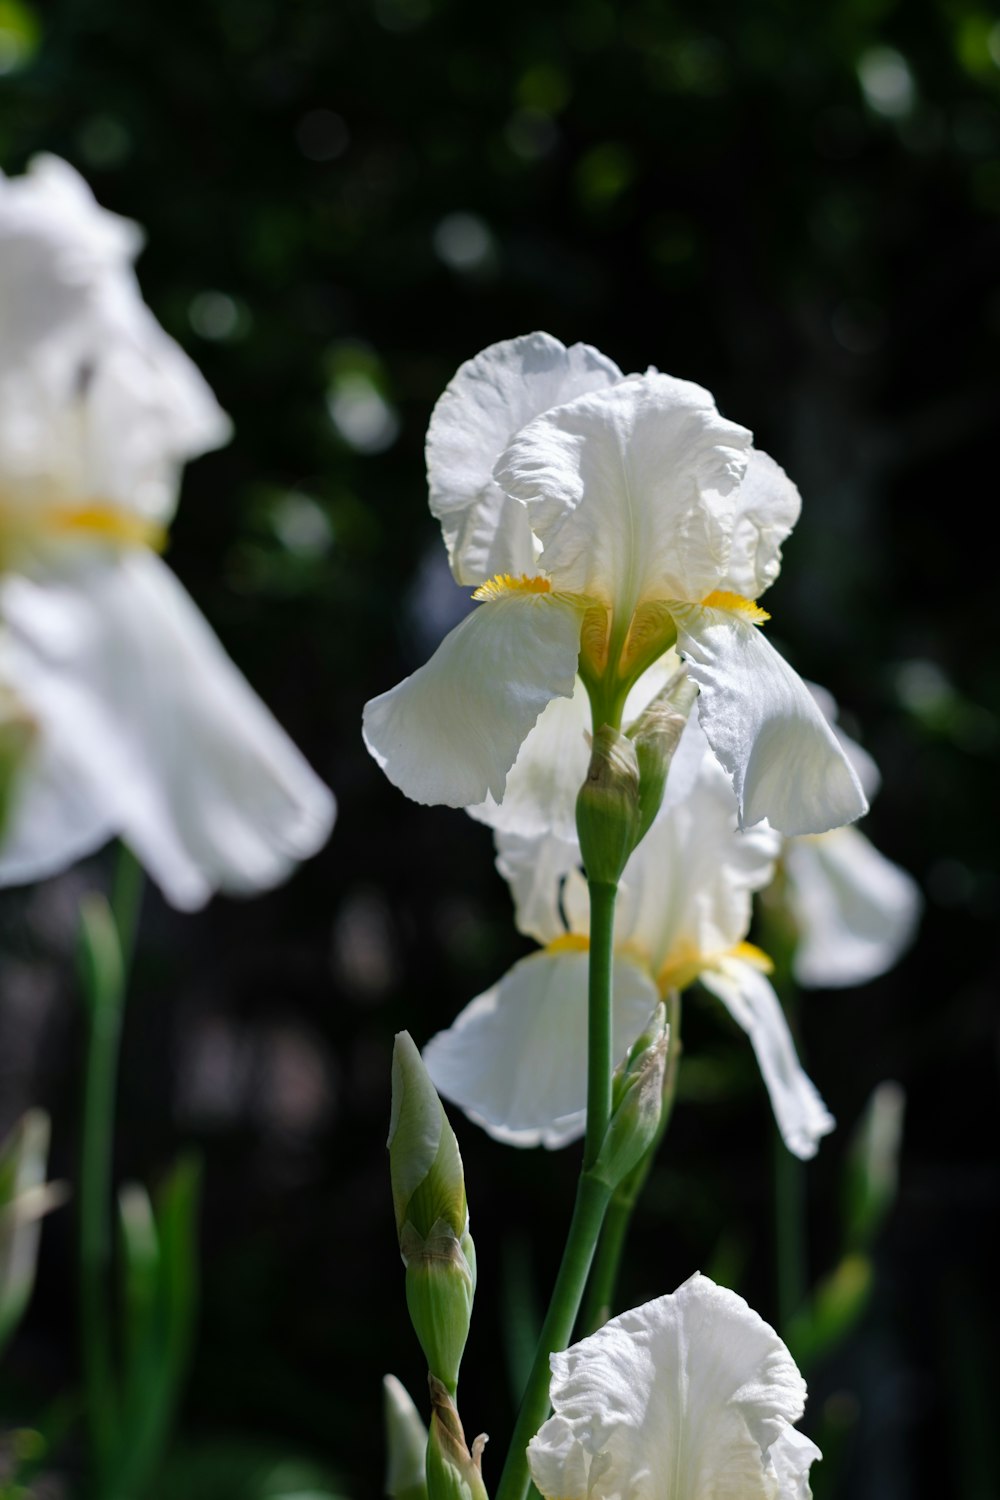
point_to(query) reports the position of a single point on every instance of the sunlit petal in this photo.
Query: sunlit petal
(165, 736)
(450, 732)
(631, 490)
(748, 995)
(550, 768)
(490, 398)
(688, 1397)
(855, 911)
(516, 1058)
(767, 507)
(764, 726)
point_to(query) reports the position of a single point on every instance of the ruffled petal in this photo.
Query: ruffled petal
(545, 779)
(767, 507)
(856, 912)
(534, 869)
(764, 726)
(166, 738)
(684, 1398)
(791, 1455)
(632, 491)
(749, 997)
(450, 732)
(490, 398)
(516, 1058)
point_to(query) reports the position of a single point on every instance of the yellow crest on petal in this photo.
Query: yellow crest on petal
(506, 583)
(735, 604)
(569, 942)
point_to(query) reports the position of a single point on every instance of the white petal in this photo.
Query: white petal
(490, 398)
(516, 1058)
(681, 1399)
(166, 737)
(450, 732)
(767, 508)
(534, 869)
(856, 911)
(545, 779)
(748, 995)
(632, 491)
(764, 726)
(791, 1456)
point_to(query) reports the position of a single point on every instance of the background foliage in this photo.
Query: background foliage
(798, 207)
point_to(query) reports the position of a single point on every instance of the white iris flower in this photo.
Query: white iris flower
(515, 1059)
(129, 717)
(690, 1396)
(605, 519)
(855, 912)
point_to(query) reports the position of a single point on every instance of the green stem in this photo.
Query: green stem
(592, 1198)
(607, 1263)
(599, 1060)
(588, 1214)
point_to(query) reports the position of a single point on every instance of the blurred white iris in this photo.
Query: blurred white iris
(130, 718)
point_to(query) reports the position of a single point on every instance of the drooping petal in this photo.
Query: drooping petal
(682, 1399)
(767, 507)
(632, 490)
(534, 869)
(855, 911)
(543, 783)
(749, 997)
(516, 1058)
(166, 737)
(490, 398)
(450, 732)
(792, 1454)
(764, 726)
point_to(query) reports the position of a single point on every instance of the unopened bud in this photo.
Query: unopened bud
(453, 1472)
(636, 1102)
(405, 1444)
(873, 1164)
(656, 734)
(607, 808)
(432, 1217)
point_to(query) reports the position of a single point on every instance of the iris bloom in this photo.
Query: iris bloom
(126, 715)
(605, 519)
(854, 911)
(687, 1397)
(515, 1059)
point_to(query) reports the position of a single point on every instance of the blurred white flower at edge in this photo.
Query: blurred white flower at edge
(120, 712)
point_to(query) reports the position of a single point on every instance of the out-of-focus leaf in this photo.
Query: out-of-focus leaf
(24, 1198)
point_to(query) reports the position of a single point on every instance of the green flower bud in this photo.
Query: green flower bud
(405, 1443)
(656, 734)
(636, 1103)
(432, 1218)
(607, 808)
(453, 1473)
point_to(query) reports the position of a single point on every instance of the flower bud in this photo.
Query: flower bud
(656, 734)
(405, 1444)
(453, 1473)
(607, 808)
(432, 1218)
(636, 1103)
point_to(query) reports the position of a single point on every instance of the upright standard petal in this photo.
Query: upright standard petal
(489, 399)
(687, 1397)
(515, 1060)
(764, 726)
(749, 997)
(767, 507)
(165, 736)
(450, 732)
(632, 491)
(856, 912)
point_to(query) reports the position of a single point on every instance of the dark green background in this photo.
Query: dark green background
(705, 188)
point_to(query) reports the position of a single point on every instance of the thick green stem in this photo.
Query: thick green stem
(588, 1214)
(601, 1287)
(599, 1059)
